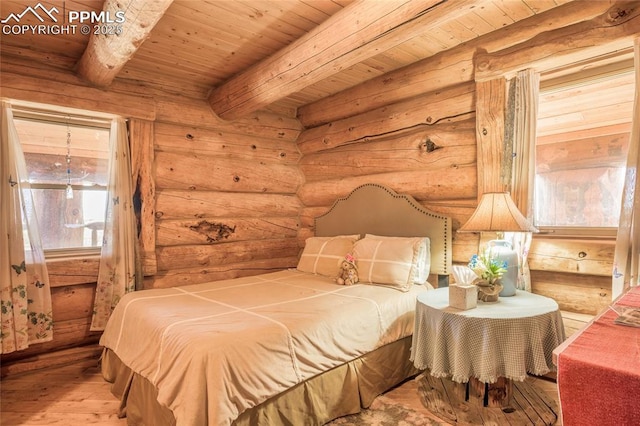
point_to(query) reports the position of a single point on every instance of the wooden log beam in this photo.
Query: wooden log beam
(437, 183)
(180, 171)
(589, 294)
(215, 230)
(197, 113)
(176, 258)
(580, 257)
(68, 333)
(67, 90)
(224, 144)
(141, 135)
(445, 69)
(173, 204)
(72, 302)
(106, 54)
(359, 31)
(87, 355)
(490, 106)
(179, 277)
(613, 30)
(448, 105)
(65, 272)
(449, 143)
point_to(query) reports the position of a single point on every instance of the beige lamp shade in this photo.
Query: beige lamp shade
(497, 212)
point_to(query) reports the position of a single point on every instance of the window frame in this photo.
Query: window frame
(44, 113)
(575, 75)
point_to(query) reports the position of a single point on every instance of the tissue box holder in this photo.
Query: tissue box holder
(463, 296)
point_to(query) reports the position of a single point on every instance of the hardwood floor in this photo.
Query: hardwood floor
(68, 396)
(78, 395)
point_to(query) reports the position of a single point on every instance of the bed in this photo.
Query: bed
(289, 347)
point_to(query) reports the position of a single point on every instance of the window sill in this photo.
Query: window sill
(71, 254)
(577, 233)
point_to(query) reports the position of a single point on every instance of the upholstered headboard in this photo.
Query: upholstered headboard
(375, 209)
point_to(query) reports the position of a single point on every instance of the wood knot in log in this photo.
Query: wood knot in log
(429, 146)
(213, 231)
(618, 14)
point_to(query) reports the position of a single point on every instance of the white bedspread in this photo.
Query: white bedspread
(214, 350)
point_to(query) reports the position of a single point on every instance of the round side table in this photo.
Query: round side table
(493, 343)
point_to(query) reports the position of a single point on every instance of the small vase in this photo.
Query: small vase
(508, 288)
(503, 251)
(488, 292)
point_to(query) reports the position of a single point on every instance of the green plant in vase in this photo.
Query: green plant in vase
(489, 271)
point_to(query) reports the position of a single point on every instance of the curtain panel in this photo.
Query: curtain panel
(25, 295)
(522, 111)
(627, 252)
(117, 271)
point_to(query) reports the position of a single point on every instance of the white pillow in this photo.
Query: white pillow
(424, 262)
(423, 259)
(322, 255)
(387, 261)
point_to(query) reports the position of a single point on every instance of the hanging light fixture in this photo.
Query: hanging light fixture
(69, 190)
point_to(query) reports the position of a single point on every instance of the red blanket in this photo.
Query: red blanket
(599, 372)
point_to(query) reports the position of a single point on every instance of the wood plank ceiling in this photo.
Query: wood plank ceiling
(248, 54)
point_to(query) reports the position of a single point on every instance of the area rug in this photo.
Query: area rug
(528, 405)
(386, 412)
(425, 400)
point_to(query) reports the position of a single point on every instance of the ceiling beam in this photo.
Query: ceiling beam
(361, 30)
(105, 55)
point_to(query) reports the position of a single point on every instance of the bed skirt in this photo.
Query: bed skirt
(343, 390)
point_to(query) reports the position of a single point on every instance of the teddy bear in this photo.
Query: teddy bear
(348, 274)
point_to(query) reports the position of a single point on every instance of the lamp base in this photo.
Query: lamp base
(503, 251)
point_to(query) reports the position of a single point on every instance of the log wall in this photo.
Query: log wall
(227, 199)
(434, 130)
(218, 198)
(226, 203)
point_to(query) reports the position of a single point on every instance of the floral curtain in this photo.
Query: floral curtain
(523, 106)
(117, 273)
(25, 295)
(627, 252)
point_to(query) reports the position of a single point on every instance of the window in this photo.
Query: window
(69, 196)
(584, 125)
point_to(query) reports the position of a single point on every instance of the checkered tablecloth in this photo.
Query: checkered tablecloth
(508, 338)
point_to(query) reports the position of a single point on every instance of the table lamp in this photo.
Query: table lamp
(496, 212)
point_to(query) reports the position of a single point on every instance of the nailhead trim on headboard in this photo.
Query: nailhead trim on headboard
(445, 229)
